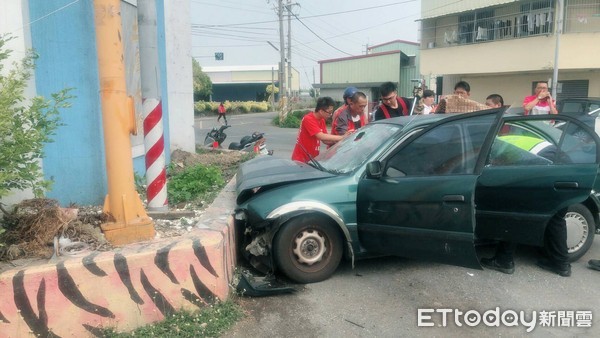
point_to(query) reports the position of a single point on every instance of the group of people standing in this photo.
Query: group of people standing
(350, 117)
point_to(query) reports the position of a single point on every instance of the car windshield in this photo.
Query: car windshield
(354, 150)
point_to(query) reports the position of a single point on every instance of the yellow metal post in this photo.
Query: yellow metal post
(129, 222)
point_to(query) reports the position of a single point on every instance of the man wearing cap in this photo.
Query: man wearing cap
(352, 117)
(347, 96)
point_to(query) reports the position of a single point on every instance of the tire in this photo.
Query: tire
(308, 248)
(580, 231)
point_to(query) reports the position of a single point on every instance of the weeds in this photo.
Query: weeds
(208, 322)
(193, 182)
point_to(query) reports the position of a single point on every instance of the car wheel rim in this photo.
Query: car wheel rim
(582, 136)
(577, 231)
(309, 247)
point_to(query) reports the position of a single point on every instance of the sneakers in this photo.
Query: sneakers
(594, 264)
(562, 270)
(492, 263)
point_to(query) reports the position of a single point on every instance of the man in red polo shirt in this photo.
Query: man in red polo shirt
(540, 102)
(352, 117)
(313, 130)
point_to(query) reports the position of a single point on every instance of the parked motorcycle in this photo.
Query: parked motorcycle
(255, 143)
(216, 136)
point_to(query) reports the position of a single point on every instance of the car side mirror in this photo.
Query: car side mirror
(374, 169)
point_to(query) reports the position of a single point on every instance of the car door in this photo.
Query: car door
(537, 165)
(422, 203)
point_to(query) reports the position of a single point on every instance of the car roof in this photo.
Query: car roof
(423, 120)
(582, 99)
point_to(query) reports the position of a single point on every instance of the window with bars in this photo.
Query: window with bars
(511, 21)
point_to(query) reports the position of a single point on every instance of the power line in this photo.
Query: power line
(317, 35)
(47, 15)
(316, 16)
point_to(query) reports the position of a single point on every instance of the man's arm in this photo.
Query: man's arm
(529, 102)
(341, 126)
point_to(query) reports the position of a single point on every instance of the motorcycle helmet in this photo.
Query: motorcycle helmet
(349, 92)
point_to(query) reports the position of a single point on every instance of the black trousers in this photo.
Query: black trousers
(556, 238)
(223, 116)
(556, 242)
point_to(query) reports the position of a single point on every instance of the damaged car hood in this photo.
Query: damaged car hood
(268, 170)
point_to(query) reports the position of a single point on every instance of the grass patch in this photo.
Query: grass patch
(208, 322)
(191, 183)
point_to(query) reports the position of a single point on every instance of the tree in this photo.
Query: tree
(272, 90)
(25, 125)
(202, 83)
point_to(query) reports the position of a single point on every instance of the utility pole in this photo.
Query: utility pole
(128, 220)
(289, 51)
(558, 31)
(283, 89)
(272, 87)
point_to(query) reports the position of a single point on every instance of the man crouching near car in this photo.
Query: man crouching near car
(313, 130)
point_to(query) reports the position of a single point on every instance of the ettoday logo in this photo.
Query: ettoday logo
(509, 318)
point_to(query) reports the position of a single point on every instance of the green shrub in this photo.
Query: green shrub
(231, 107)
(259, 107)
(292, 120)
(26, 125)
(192, 182)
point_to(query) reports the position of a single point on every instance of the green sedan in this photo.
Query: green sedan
(427, 187)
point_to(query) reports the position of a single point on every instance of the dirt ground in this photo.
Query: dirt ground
(39, 229)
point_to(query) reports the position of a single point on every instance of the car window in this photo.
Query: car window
(448, 149)
(541, 142)
(574, 108)
(348, 154)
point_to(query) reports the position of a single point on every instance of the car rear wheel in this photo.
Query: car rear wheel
(308, 249)
(580, 231)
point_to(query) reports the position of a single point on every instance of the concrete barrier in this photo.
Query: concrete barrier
(125, 288)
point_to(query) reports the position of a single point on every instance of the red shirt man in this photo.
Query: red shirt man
(541, 102)
(313, 130)
(352, 117)
(347, 95)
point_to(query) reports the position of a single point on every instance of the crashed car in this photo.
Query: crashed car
(427, 187)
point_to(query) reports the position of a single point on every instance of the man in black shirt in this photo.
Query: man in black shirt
(393, 105)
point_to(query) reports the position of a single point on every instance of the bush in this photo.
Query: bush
(231, 107)
(25, 126)
(192, 182)
(292, 120)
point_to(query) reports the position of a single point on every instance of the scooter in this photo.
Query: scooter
(255, 143)
(216, 136)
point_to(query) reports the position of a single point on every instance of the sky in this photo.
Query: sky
(321, 30)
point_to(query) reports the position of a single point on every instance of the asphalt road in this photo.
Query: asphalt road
(382, 297)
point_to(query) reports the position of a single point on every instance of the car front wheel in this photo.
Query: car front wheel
(308, 248)
(580, 231)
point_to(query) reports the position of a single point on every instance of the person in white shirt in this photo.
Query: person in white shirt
(428, 101)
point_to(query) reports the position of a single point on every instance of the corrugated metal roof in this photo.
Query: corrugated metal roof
(216, 69)
(393, 42)
(359, 56)
(437, 8)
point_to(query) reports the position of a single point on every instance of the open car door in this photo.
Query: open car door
(537, 166)
(419, 201)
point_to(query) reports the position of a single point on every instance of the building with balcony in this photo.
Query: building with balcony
(504, 46)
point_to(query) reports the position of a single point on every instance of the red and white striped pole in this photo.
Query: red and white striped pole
(154, 142)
